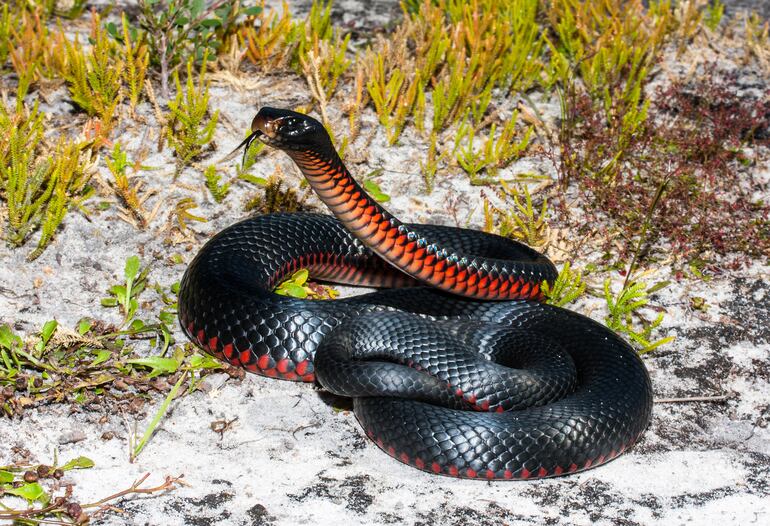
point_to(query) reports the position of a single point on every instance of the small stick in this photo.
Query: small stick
(720, 398)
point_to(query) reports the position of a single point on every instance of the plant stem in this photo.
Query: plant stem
(158, 416)
(645, 226)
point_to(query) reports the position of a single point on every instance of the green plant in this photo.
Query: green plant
(623, 306)
(373, 189)
(298, 286)
(43, 505)
(190, 127)
(180, 31)
(218, 191)
(267, 36)
(23, 480)
(94, 78)
(306, 34)
(322, 65)
(126, 296)
(6, 28)
(136, 58)
(129, 190)
(568, 287)
(274, 198)
(37, 190)
(516, 219)
(183, 215)
(429, 166)
(714, 12)
(185, 366)
(496, 152)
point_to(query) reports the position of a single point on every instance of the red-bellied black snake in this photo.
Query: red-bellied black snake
(458, 369)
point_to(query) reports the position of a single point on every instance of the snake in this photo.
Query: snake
(455, 364)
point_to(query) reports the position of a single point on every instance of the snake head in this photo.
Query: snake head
(289, 130)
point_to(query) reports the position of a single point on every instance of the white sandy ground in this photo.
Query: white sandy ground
(290, 458)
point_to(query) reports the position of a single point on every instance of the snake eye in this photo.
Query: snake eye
(294, 127)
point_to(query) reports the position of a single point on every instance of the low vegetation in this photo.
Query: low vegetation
(649, 167)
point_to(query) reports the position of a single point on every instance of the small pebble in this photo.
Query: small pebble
(72, 436)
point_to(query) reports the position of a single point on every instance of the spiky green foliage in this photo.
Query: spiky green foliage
(517, 218)
(497, 151)
(6, 26)
(623, 306)
(136, 58)
(454, 54)
(190, 126)
(568, 287)
(38, 190)
(306, 34)
(267, 36)
(714, 12)
(22, 174)
(94, 77)
(69, 175)
(218, 191)
(429, 166)
(129, 190)
(183, 214)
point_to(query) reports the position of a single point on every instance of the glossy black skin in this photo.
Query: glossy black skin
(226, 292)
(421, 364)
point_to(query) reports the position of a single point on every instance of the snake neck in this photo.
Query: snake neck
(402, 246)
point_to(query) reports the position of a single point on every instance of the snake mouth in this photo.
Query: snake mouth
(283, 129)
(266, 124)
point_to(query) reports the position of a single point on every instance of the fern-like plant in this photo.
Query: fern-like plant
(623, 306)
(38, 191)
(218, 191)
(568, 287)
(190, 126)
(519, 219)
(94, 78)
(129, 190)
(136, 58)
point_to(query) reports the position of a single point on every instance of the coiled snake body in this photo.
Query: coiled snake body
(442, 380)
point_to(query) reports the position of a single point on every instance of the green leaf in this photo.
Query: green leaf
(101, 357)
(211, 22)
(253, 179)
(657, 344)
(196, 7)
(7, 338)
(85, 324)
(78, 463)
(136, 325)
(167, 317)
(109, 302)
(118, 290)
(175, 287)
(374, 190)
(158, 364)
(31, 492)
(48, 329)
(300, 277)
(204, 361)
(6, 476)
(658, 286)
(253, 11)
(132, 268)
(293, 290)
